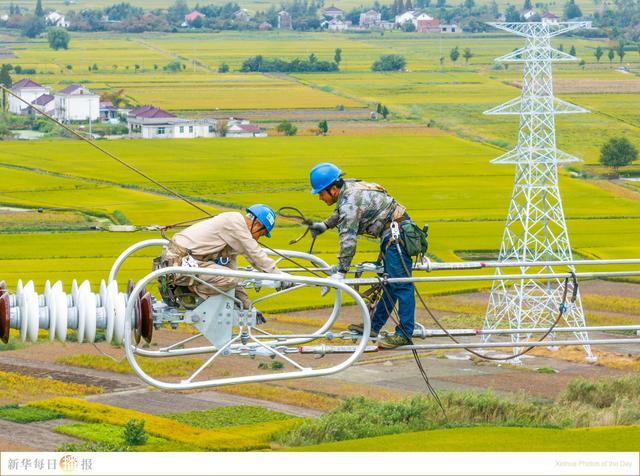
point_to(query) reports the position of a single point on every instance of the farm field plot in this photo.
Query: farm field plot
(438, 177)
(456, 101)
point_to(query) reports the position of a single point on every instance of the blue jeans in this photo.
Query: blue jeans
(402, 293)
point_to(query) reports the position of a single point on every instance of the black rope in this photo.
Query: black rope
(393, 314)
(562, 309)
(298, 215)
(109, 154)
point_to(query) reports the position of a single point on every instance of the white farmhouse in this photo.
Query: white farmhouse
(44, 104)
(150, 122)
(77, 103)
(409, 16)
(243, 128)
(56, 19)
(29, 91)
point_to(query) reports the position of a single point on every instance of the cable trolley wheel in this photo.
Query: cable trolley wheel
(146, 317)
(4, 318)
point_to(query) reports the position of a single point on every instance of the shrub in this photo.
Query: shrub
(286, 128)
(389, 63)
(90, 446)
(603, 393)
(134, 434)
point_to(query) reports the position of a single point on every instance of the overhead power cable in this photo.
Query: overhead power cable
(109, 154)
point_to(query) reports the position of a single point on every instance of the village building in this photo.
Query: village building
(370, 19)
(242, 16)
(56, 19)
(44, 104)
(338, 25)
(333, 12)
(527, 14)
(150, 122)
(453, 28)
(549, 18)
(189, 18)
(405, 17)
(284, 21)
(243, 128)
(427, 24)
(108, 112)
(27, 90)
(76, 103)
(264, 26)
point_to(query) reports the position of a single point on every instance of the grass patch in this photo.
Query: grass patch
(174, 367)
(18, 388)
(106, 435)
(156, 426)
(614, 401)
(25, 414)
(228, 416)
(496, 439)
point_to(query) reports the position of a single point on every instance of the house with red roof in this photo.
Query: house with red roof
(27, 90)
(243, 128)
(189, 18)
(77, 103)
(151, 122)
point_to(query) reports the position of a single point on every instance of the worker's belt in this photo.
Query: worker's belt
(397, 220)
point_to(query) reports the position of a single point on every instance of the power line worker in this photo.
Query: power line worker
(364, 208)
(215, 243)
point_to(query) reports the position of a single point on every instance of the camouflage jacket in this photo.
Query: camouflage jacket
(362, 209)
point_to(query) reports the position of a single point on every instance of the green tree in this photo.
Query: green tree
(134, 434)
(197, 22)
(136, 67)
(223, 68)
(379, 108)
(58, 38)
(323, 127)
(598, 53)
(313, 58)
(33, 27)
(582, 63)
(620, 50)
(177, 11)
(527, 5)
(618, 152)
(337, 57)
(469, 4)
(408, 27)
(38, 11)
(6, 81)
(467, 55)
(454, 54)
(571, 10)
(286, 128)
(389, 63)
(572, 51)
(385, 112)
(611, 55)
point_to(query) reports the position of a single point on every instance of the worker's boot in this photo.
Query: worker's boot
(393, 340)
(359, 329)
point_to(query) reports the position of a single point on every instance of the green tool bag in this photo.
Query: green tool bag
(414, 238)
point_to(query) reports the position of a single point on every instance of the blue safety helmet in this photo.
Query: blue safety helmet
(265, 215)
(323, 175)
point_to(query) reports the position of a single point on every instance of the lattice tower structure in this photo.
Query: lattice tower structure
(535, 228)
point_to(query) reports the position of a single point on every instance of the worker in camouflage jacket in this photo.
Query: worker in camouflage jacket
(367, 209)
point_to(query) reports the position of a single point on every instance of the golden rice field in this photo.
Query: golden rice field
(453, 187)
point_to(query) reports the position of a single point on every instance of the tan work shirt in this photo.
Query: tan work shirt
(225, 235)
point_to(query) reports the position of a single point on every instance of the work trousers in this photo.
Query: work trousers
(401, 293)
(223, 283)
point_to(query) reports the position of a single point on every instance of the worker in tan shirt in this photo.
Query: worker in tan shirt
(215, 243)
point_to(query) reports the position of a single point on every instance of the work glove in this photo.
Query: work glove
(317, 228)
(260, 319)
(337, 276)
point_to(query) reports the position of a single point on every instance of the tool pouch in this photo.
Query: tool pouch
(414, 238)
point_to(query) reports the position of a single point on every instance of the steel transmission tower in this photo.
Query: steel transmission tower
(535, 229)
